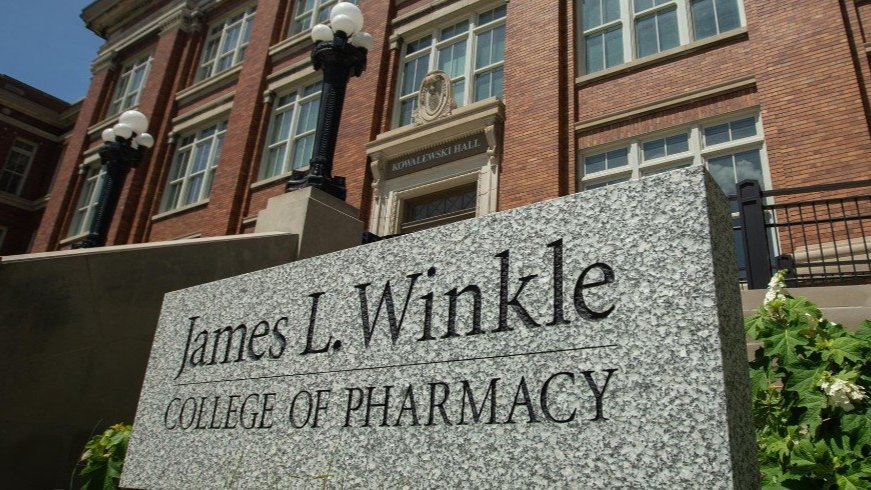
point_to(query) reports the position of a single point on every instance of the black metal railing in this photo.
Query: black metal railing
(820, 234)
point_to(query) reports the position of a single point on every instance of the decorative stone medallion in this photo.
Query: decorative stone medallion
(436, 97)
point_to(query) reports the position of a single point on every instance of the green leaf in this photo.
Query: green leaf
(784, 345)
(803, 455)
(845, 347)
(853, 482)
(814, 403)
(864, 331)
(858, 426)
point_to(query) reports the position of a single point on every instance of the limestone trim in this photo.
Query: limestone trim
(388, 195)
(92, 159)
(271, 180)
(295, 74)
(26, 106)
(293, 44)
(171, 212)
(107, 60)
(21, 203)
(420, 20)
(105, 123)
(707, 92)
(71, 239)
(205, 86)
(30, 129)
(203, 114)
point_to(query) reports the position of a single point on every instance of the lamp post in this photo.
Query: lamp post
(340, 51)
(122, 149)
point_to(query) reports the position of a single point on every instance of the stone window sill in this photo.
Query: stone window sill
(108, 122)
(677, 52)
(172, 212)
(203, 87)
(293, 44)
(72, 239)
(271, 180)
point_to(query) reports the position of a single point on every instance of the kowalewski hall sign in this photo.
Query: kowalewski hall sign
(592, 341)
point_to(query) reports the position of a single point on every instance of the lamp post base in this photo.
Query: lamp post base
(334, 186)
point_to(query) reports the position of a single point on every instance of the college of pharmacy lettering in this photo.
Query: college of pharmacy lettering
(448, 152)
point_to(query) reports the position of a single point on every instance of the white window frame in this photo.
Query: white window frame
(627, 20)
(86, 203)
(698, 154)
(218, 35)
(470, 73)
(314, 15)
(30, 155)
(184, 155)
(126, 95)
(290, 142)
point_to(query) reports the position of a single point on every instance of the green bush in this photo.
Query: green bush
(809, 381)
(104, 457)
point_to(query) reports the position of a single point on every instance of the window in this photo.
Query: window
(438, 209)
(619, 31)
(192, 171)
(307, 13)
(292, 131)
(130, 85)
(86, 205)
(17, 165)
(470, 51)
(226, 43)
(732, 150)
(2, 236)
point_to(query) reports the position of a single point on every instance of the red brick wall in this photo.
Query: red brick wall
(810, 68)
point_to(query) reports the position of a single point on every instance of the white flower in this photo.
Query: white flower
(776, 290)
(843, 394)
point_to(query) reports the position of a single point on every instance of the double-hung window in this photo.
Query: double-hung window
(226, 43)
(89, 196)
(192, 171)
(129, 85)
(307, 13)
(292, 131)
(731, 149)
(618, 31)
(471, 51)
(17, 165)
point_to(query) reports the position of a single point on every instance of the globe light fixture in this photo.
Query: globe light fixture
(123, 146)
(340, 50)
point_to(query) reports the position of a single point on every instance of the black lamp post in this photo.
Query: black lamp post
(340, 51)
(122, 149)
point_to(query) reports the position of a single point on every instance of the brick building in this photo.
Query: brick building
(553, 97)
(32, 129)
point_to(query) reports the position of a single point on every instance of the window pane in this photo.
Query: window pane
(641, 5)
(744, 128)
(452, 59)
(592, 13)
(645, 33)
(483, 54)
(180, 167)
(618, 158)
(455, 30)
(593, 164)
(413, 74)
(678, 144)
(482, 86)
(498, 44)
(748, 165)
(667, 25)
(308, 117)
(201, 157)
(459, 92)
(611, 11)
(715, 135)
(595, 54)
(614, 46)
(304, 6)
(704, 21)
(302, 151)
(406, 111)
(722, 171)
(654, 149)
(275, 161)
(231, 36)
(728, 17)
(193, 191)
(281, 126)
(498, 77)
(599, 185)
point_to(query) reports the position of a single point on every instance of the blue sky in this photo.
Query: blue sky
(45, 43)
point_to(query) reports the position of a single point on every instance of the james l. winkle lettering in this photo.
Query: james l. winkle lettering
(407, 310)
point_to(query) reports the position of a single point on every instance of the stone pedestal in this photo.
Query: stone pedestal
(322, 222)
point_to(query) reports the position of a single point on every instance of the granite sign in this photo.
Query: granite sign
(592, 341)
